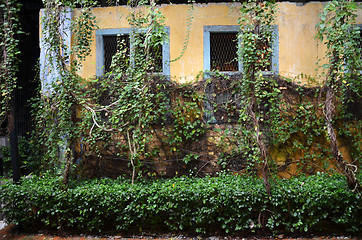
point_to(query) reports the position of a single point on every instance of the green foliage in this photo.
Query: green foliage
(338, 31)
(307, 203)
(82, 29)
(133, 116)
(132, 105)
(279, 117)
(186, 111)
(127, 110)
(9, 21)
(29, 156)
(121, 111)
(259, 94)
(256, 35)
(224, 204)
(55, 112)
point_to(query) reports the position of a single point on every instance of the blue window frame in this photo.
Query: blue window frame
(228, 63)
(228, 38)
(103, 34)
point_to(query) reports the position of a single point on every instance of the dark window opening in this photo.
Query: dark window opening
(121, 43)
(111, 45)
(223, 51)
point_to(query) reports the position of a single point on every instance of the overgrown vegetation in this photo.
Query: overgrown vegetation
(29, 153)
(104, 121)
(134, 121)
(137, 123)
(9, 21)
(225, 204)
(342, 76)
(56, 112)
(257, 18)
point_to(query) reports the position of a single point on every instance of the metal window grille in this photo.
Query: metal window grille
(111, 45)
(223, 51)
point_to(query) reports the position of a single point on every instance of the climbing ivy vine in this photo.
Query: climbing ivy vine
(133, 116)
(131, 106)
(10, 27)
(84, 119)
(256, 35)
(338, 30)
(56, 111)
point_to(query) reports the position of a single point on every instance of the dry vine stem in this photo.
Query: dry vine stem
(347, 169)
(261, 145)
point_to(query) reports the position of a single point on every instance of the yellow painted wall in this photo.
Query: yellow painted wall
(298, 49)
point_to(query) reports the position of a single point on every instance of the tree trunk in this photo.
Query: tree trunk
(15, 163)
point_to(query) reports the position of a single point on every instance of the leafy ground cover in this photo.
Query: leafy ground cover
(226, 204)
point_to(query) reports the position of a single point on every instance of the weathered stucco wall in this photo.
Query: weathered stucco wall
(298, 48)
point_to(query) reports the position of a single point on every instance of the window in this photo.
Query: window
(108, 41)
(220, 53)
(223, 51)
(111, 44)
(220, 49)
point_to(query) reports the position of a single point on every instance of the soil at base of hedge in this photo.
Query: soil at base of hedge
(12, 232)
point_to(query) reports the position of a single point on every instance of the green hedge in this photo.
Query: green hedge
(225, 204)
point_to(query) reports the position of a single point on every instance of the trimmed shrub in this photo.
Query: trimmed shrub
(224, 204)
